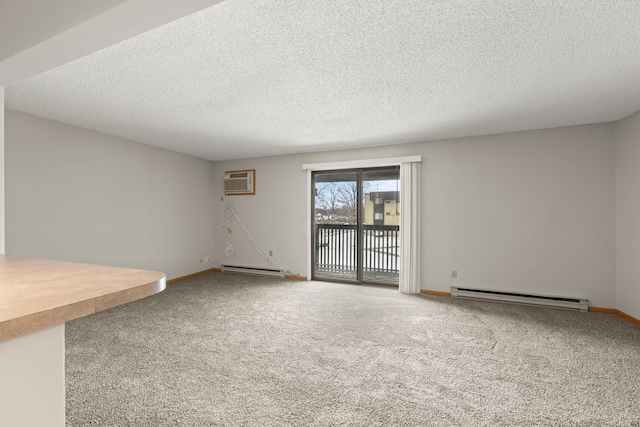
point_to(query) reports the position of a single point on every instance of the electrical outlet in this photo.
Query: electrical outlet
(454, 274)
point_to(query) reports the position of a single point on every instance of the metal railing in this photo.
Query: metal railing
(336, 248)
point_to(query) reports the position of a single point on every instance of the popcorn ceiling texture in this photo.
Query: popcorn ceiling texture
(248, 78)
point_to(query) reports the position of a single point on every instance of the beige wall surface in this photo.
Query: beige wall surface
(24, 23)
(529, 211)
(1, 170)
(32, 370)
(77, 195)
(627, 134)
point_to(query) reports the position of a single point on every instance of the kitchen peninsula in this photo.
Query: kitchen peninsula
(36, 298)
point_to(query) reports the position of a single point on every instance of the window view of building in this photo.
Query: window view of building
(382, 208)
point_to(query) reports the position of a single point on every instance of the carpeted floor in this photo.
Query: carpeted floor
(233, 350)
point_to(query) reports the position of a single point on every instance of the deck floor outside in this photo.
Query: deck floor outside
(369, 277)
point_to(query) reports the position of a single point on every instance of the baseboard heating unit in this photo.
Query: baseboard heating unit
(252, 270)
(568, 303)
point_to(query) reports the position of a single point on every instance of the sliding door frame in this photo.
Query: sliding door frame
(359, 218)
(345, 165)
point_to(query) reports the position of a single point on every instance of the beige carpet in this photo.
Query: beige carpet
(233, 350)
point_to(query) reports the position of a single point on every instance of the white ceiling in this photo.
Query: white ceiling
(247, 78)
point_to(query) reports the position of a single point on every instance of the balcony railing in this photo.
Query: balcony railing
(336, 253)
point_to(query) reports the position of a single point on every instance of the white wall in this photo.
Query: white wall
(528, 211)
(627, 133)
(25, 23)
(32, 390)
(78, 195)
(276, 215)
(2, 170)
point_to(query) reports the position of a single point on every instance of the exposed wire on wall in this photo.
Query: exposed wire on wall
(225, 222)
(229, 249)
(257, 245)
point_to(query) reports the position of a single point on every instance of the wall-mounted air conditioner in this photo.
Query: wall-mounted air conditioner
(237, 183)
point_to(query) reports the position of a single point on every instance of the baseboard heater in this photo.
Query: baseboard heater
(252, 270)
(519, 298)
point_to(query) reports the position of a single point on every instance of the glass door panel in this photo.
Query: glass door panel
(381, 225)
(335, 226)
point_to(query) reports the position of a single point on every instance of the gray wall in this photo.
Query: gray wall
(628, 215)
(528, 211)
(2, 233)
(25, 23)
(78, 195)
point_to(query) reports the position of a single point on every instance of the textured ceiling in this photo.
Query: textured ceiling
(249, 78)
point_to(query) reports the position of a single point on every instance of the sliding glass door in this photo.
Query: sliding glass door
(355, 225)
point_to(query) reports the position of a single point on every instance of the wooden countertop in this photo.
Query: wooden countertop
(36, 294)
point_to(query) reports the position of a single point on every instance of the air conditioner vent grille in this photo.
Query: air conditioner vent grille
(239, 183)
